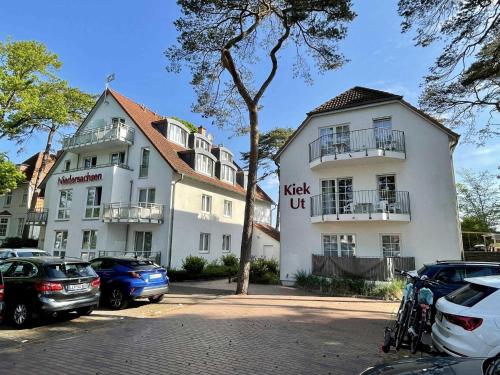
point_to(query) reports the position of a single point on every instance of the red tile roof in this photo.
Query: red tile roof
(31, 166)
(269, 230)
(143, 118)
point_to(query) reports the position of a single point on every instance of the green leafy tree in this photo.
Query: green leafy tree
(224, 42)
(10, 175)
(269, 144)
(474, 224)
(464, 80)
(33, 99)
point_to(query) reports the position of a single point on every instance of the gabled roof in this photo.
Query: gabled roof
(360, 96)
(144, 117)
(31, 166)
(269, 230)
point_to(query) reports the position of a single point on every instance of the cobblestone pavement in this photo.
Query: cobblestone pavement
(195, 331)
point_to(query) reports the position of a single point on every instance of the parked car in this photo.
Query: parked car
(39, 286)
(468, 320)
(2, 294)
(22, 253)
(125, 279)
(438, 365)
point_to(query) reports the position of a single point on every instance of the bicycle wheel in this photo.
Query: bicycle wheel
(416, 339)
(402, 327)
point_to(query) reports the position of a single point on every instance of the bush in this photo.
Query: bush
(18, 242)
(230, 260)
(264, 271)
(193, 264)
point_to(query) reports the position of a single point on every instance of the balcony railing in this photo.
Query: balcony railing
(113, 132)
(361, 202)
(357, 141)
(105, 165)
(133, 213)
(37, 216)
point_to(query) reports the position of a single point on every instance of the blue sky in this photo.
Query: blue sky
(95, 38)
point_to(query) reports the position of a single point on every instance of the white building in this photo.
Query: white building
(20, 215)
(132, 181)
(367, 175)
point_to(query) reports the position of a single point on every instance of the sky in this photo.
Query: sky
(95, 38)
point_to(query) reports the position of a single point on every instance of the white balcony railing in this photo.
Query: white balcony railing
(133, 213)
(113, 132)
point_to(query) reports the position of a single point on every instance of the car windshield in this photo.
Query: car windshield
(470, 294)
(69, 270)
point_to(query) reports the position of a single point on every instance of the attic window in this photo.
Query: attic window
(177, 134)
(225, 156)
(204, 164)
(200, 143)
(227, 174)
(117, 120)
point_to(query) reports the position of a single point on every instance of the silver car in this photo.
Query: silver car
(22, 253)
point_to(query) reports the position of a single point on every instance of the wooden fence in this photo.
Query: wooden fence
(482, 256)
(376, 269)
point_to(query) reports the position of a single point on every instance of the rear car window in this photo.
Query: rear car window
(69, 270)
(477, 271)
(470, 294)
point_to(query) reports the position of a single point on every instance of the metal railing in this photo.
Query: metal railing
(357, 140)
(361, 202)
(104, 165)
(37, 216)
(120, 132)
(133, 212)
(155, 256)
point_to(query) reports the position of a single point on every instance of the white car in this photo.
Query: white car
(22, 253)
(468, 319)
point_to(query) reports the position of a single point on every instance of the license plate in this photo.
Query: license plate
(155, 276)
(77, 287)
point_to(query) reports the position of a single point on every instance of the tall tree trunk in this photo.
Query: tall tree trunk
(277, 225)
(43, 164)
(246, 238)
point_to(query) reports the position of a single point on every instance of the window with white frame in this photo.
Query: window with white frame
(8, 199)
(143, 243)
(226, 242)
(65, 199)
(339, 245)
(206, 204)
(93, 208)
(90, 161)
(144, 167)
(204, 164)
(227, 173)
(89, 240)
(177, 134)
(67, 165)
(117, 120)
(117, 158)
(201, 143)
(228, 208)
(4, 225)
(20, 226)
(60, 241)
(146, 196)
(391, 245)
(204, 242)
(225, 156)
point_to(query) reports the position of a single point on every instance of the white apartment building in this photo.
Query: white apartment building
(20, 216)
(132, 181)
(367, 175)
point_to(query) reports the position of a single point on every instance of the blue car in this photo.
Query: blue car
(125, 279)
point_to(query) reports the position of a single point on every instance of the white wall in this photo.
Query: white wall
(264, 246)
(426, 174)
(16, 208)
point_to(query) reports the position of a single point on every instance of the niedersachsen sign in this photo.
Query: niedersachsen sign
(68, 180)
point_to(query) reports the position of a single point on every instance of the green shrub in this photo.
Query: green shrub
(193, 264)
(230, 260)
(264, 271)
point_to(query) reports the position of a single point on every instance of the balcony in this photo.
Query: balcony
(363, 205)
(365, 144)
(37, 216)
(99, 138)
(148, 213)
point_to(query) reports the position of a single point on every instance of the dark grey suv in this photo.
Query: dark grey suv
(47, 286)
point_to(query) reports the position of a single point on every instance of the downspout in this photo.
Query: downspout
(172, 210)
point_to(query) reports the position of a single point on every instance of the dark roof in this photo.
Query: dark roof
(31, 166)
(5, 213)
(269, 230)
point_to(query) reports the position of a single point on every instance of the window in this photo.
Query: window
(391, 245)
(20, 227)
(61, 239)
(117, 158)
(89, 240)
(200, 143)
(117, 121)
(67, 165)
(147, 195)
(227, 173)
(177, 134)
(144, 167)
(226, 242)
(383, 132)
(204, 164)
(204, 242)
(206, 203)
(228, 208)
(335, 139)
(90, 161)
(93, 208)
(343, 245)
(24, 200)
(143, 241)
(4, 225)
(225, 156)
(65, 204)
(451, 275)
(22, 269)
(8, 199)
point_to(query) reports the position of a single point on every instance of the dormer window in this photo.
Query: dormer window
(117, 121)
(227, 174)
(204, 164)
(177, 134)
(225, 156)
(200, 143)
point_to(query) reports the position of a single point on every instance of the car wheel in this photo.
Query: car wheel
(156, 299)
(85, 311)
(20, 314)
(116, 299)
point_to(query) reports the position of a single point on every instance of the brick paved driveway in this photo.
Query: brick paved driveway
(195, 331)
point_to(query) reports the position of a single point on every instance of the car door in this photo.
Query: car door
(19, 280)
(104, 268)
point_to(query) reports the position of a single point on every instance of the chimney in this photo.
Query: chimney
(202, 130)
